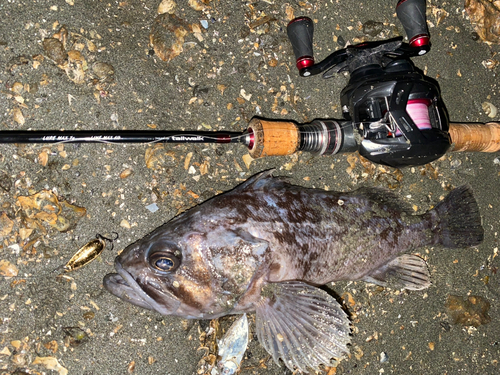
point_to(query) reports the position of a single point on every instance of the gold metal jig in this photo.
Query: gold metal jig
(88, 252)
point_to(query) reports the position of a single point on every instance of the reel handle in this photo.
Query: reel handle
(411, 14)
(300, 33)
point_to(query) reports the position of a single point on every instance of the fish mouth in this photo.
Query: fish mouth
(124, 286)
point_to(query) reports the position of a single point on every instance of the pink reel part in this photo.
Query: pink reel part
(418, 110)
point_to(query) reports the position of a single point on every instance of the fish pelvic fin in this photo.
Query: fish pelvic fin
(407, 271)
(456, 220)
(301, 324)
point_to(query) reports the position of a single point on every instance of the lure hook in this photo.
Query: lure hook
(110, 240)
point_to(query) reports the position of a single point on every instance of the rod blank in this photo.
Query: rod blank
(118, 136)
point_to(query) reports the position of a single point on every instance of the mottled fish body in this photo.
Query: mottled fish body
(266, 245)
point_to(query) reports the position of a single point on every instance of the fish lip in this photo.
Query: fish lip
(123, 281)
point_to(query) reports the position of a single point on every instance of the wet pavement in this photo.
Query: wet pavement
(237, 63)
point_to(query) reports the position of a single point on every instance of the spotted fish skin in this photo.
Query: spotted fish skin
(266, 245)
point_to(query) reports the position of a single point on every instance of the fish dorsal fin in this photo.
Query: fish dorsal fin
(261, 181)
(405, 272)
(301, 324)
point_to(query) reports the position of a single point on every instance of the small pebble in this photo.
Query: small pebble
(341, 41)
(489, 109)
(204, 23)
(54, 50)
(103, 70)
(89, 315)
(127, 172)
(383, 357)
(372, 28)
(125, 224)
(153, 207)
(7, 269)
(167, 6)
(470, 311)
(18, 88)
(455, 163)
(445, 325)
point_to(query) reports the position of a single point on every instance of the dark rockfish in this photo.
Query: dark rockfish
(266, 245)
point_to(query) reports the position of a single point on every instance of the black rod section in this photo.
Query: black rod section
(119, 136)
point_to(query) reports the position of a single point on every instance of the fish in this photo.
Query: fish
(267, 246)
(232, 347)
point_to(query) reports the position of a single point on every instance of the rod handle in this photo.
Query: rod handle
(475, 136)
(272, 138)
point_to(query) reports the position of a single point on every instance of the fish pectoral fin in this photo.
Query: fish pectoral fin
(301, 324)
(405, 272)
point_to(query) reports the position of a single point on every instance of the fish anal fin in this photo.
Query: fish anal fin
(301, 324)
(407, 271)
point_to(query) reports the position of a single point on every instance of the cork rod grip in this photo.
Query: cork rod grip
(475, 137)
(273, 138)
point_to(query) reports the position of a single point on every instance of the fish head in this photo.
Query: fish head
(228, 368)
(170, 274)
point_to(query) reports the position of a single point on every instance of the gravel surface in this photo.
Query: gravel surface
(232, 67)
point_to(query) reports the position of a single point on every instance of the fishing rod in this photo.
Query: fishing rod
(393, 114)
(263, 137)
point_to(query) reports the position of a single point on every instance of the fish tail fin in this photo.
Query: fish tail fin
(456, 220)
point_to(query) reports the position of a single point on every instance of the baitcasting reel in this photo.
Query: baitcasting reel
(394, 114)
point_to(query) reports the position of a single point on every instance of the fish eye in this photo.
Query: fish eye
(164, 261)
